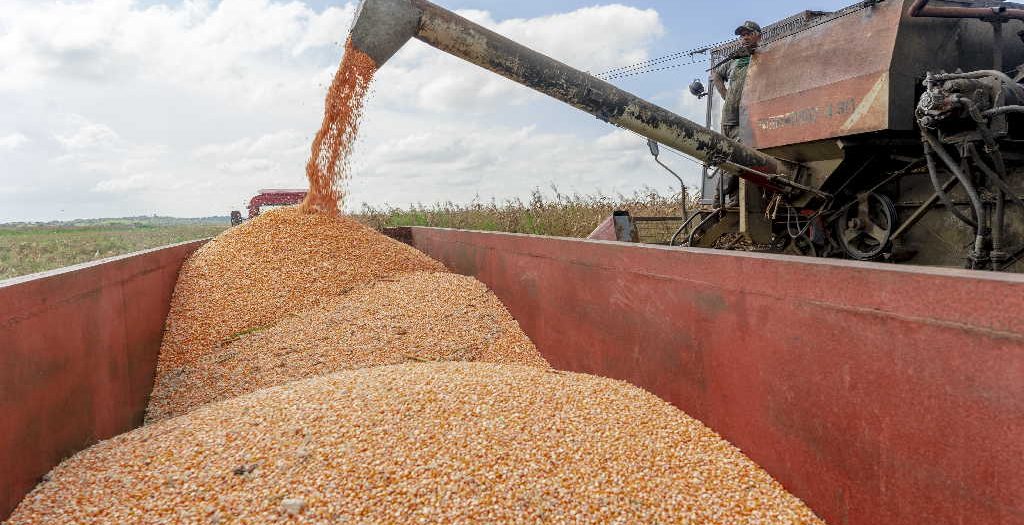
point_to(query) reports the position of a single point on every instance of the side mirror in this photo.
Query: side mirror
(697, 89)
(653, 145)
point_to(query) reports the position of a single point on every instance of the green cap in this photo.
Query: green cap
(748, 26)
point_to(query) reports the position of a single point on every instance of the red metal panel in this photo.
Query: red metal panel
(274, 198)
(78, 350)
(878, 394)
(604, 231)
(828, 81)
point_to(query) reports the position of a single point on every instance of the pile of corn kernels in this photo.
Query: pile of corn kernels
(438, 442)
(281, 262)
(413, 317)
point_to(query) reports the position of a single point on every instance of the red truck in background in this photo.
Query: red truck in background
(268, 198)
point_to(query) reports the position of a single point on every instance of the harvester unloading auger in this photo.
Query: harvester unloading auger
(382, 27)
(841, 156)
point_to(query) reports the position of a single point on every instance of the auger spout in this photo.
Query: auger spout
(382, 27)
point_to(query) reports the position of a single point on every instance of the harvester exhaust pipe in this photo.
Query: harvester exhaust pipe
(381, 27)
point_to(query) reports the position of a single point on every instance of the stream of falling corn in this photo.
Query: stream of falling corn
(329, 162)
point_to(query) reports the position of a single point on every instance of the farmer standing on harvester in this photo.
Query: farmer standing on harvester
(735, 73)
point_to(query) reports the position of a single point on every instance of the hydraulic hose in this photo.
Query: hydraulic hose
(995, 175)
(920, 8)
(943, 196)
(716, 213)
(984, 73)
(972, 193)
(672, 241)
(1002, 110)
(997, 231)
(996, 178)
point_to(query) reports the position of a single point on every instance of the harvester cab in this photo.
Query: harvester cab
(870, 150)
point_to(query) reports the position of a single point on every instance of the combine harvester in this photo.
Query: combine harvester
(877, 393)
(904, 121)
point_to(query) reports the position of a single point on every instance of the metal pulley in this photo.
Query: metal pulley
(865, 229)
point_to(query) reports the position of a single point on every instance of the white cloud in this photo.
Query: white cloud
(86, 134)
(189, 108)
(279, 142)
(247, 166)
(623, 33)
(226, 49)
(13, 141)
(326, 29)
(435, 81)
(455, 163)
(123, 184)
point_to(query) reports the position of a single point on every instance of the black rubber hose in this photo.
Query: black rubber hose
(999, 221)
(995, 177)
(972, 193)
(1004, 189)
(1002, 110)
(715, 213)
(946, 201)
(1003, 77)
(672, 241)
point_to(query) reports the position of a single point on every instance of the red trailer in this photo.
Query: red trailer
(879, 394)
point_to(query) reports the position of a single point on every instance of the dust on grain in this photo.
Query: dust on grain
(425, 442)
(283, 261)
(412, 317)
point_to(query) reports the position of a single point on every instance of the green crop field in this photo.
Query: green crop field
(30, 248)
(557, 214)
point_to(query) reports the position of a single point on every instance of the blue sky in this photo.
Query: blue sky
(114, 107)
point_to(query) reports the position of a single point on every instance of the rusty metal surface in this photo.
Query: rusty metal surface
(830, 80)
(879, 394)
(921, 8)
(78, 350)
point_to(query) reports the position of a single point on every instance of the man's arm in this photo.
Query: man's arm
(719, 82)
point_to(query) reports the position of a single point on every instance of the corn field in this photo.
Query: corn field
(556, 213)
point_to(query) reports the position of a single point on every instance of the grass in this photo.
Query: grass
(558, 214)
(28, 248)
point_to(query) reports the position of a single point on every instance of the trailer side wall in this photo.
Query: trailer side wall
(78, 350)
(877, 393)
